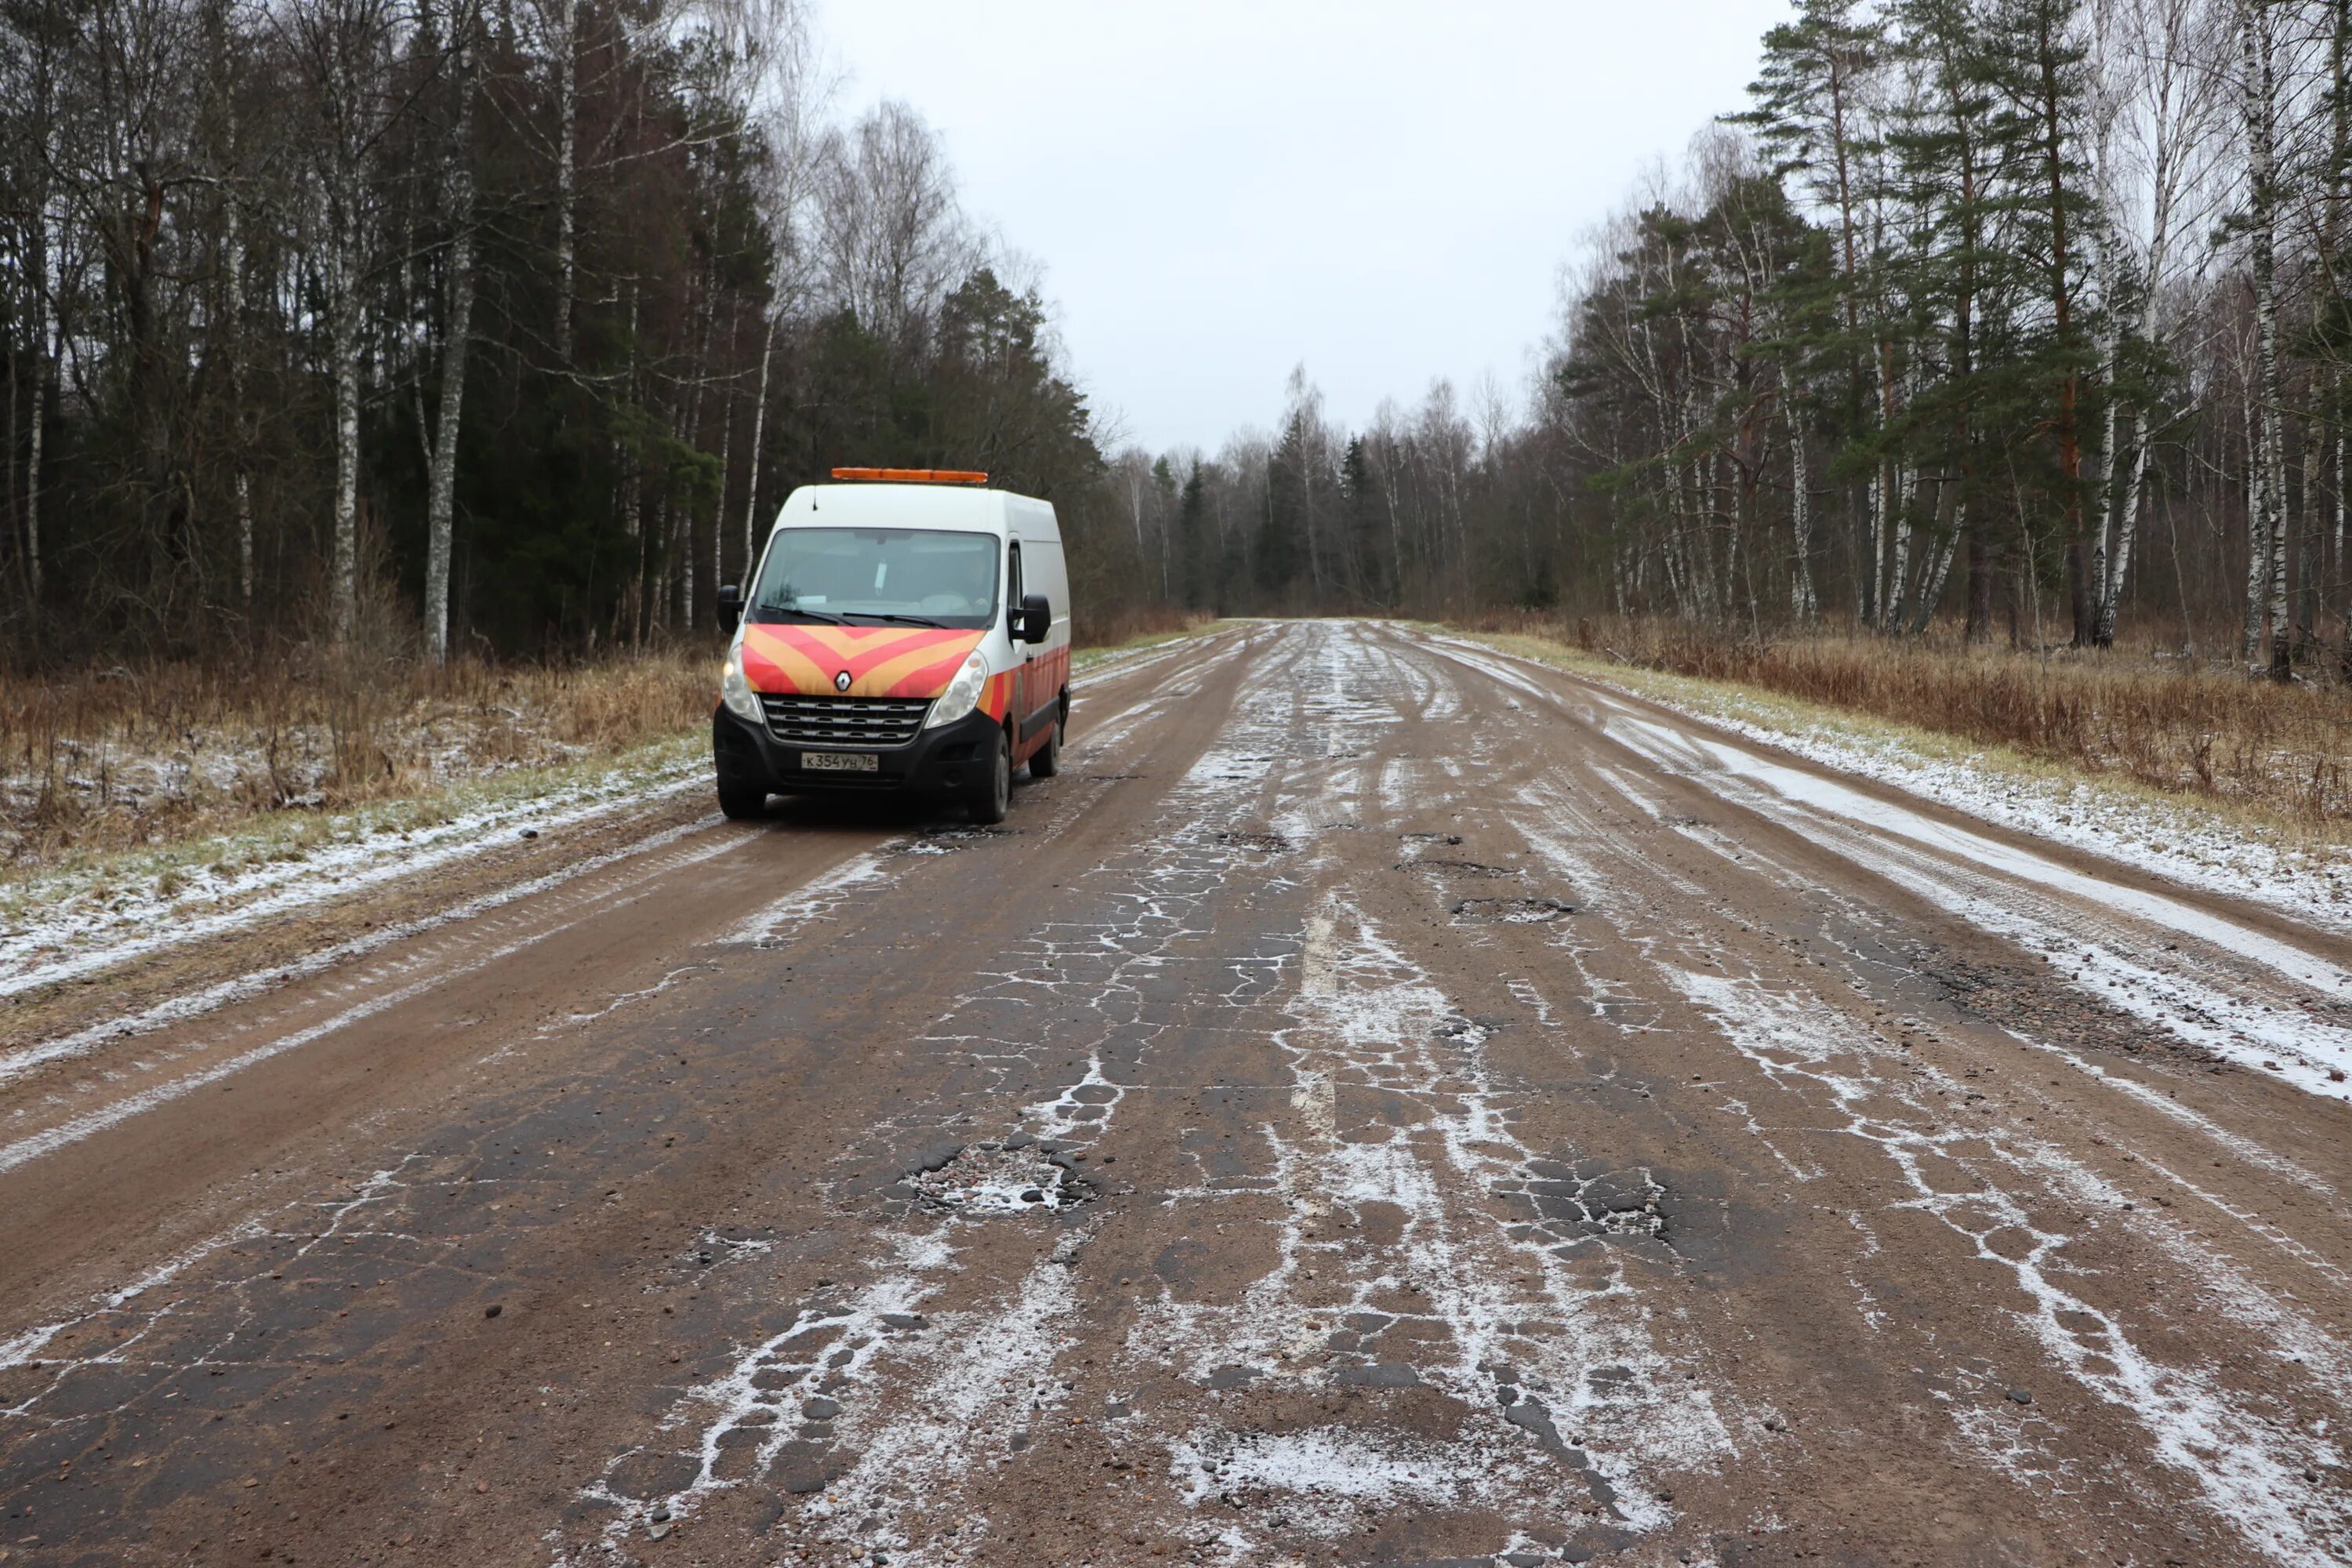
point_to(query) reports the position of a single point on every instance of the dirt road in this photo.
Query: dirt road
(1384, 1103)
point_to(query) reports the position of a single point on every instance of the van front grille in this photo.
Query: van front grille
(873, 723)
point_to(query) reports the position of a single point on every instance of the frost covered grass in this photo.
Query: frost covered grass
(2169, 725)
(94, 909)
(1116, 631)
(1088, 654)
(144, 810)
(2270, 849)
(104, 760)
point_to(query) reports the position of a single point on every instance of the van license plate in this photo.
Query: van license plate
(840, 761)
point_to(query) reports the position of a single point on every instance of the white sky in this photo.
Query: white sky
(1384, 190)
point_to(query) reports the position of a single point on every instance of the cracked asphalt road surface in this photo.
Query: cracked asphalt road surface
(1384, 1103)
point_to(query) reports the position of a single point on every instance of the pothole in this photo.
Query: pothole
(1511, 912)
(946, 840)
(990, 1178)
(1264, 843)
(1561, 1204)
(1456, 868)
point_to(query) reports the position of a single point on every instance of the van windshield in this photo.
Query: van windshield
(878, 576)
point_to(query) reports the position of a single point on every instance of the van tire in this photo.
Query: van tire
(1046, 760)
(991, 796)
(742, 803)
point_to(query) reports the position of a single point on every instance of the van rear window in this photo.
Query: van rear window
(878, 576)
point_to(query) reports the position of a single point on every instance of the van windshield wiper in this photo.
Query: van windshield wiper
(902, 620)
(819, 617)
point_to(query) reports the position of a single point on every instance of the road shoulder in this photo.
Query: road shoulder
(2199, 846)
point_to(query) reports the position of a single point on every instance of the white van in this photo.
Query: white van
(907, 630)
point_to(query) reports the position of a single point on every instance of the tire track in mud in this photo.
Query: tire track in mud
(1995, 1187)
(1444, 1359)
(549, 904)
(2216, 985)
(292, 1318)
(1516, 1365)
(2254, 1452)
(887, 1466)
(305, 1309)
(1555, 1410)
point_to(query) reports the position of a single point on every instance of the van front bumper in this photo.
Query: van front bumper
(936, 761)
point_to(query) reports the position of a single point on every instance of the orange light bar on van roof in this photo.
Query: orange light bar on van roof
(913, 476)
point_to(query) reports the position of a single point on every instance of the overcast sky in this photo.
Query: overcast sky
(1382, 190)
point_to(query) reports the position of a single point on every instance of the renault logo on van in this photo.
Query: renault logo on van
(841, 681)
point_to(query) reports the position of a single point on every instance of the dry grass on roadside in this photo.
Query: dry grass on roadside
(104, 759)
(2162, 722)
(1116, 628)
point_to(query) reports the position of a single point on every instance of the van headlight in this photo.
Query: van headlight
(962, 694)
(735, 692)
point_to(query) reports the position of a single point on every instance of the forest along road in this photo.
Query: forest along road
(1384, 1103)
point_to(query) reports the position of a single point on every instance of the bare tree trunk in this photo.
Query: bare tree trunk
(2343, 506)
(344, 307)
(632, 607)
(1803, 603)
(2119, 520)
(241, 416)
(37, 258)
(2258, 542)
(2103, 541)
(1873, 590)
(759, 436)
(2306, 542)
(2266, 574)
(2067, 426)
(347, 42)
(2339, 172)
(10, 502)
(683, 545)
(2282, 650)
(2110, 594)
(567, 158)
(441, 485)
(1931, 592)
(1899, 578)
(726, 458)
(33, 465)
(232, 311)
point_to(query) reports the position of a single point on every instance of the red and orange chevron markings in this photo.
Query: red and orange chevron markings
(882, 661)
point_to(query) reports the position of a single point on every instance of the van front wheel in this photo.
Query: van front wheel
(992, 799)
(742, 803)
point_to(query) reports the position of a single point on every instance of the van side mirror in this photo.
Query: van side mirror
(1034, 620)
(731, 607)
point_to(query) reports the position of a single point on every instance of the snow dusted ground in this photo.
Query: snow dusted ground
(79, 920)
(2185, 842)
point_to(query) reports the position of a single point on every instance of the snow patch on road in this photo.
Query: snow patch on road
(435, 976)
(1559, 1364)
(2109, 933)
(2181, 843)
(23, 1060)
(2249, 1465)
(816, 901)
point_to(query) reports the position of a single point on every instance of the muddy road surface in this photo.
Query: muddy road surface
(1384, 1103)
